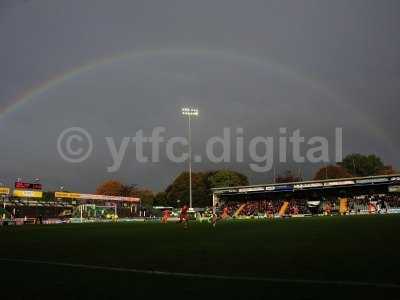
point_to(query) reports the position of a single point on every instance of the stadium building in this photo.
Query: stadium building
(27, 204)
(347, 195)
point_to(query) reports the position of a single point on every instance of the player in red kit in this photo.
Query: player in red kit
(166, 215)
(225, 213)
(184, 217)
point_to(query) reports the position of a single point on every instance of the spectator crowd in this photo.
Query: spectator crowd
(270, 207)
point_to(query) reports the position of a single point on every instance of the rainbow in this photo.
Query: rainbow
(285, 71)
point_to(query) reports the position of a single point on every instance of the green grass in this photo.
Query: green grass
(354, 248)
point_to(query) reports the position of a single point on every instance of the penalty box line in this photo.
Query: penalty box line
(205, 276)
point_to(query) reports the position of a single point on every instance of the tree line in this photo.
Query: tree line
(177, 193)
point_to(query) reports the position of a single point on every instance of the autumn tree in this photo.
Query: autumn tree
(332, 172)
(111, 188)
(386, 170)
(146, 196)
(133, 190)
(288, 176)
(116, 188)
(129, 190)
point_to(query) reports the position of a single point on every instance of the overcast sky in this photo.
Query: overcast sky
(256, 65)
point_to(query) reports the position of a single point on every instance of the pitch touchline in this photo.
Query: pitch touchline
(204, 276)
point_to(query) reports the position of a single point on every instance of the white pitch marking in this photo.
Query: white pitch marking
(206, 276)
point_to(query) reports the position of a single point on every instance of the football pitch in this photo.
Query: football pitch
(299, 258)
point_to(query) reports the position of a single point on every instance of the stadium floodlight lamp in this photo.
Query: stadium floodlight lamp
(62, 190)
(189, 112)
(4, 202)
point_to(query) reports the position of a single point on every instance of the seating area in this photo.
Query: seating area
(356, 204)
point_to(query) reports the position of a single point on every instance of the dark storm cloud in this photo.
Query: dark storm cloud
(259, 65)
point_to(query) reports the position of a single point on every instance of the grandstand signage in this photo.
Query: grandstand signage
(228, 191)
(27, 185)
(372, 180)
(336, 183)
(281, 188)
(307, 185)
(27, 194)
(395, 179)
(4, 191)
(231, 191)
(269, 188)
(66, 195)
(79, 196)
(108, 198)
(252, 189)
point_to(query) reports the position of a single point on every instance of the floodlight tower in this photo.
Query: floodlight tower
(4, 202)
(190, 112)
